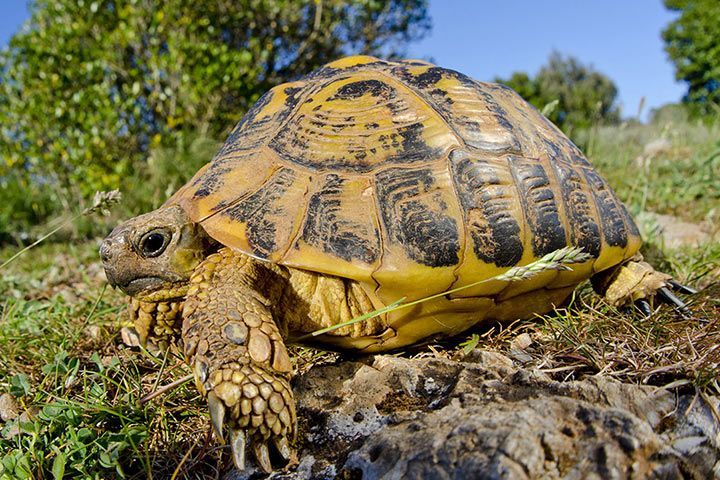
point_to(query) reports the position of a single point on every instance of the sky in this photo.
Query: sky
(493, 38)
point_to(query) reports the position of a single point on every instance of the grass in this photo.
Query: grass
(62, 360)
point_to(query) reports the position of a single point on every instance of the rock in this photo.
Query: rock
(15, 427)
(652, 150)
(672, 231)
(657, 147)
(485, 417)
(9, 408)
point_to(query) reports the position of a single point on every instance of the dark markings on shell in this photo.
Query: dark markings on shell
(326, 72)
(355, 90)
(580, 212)
(415, 218)
(295, 142)
(488, 210)
(259, 210)
(539, 205)
(471, 131)
(248, 128)
(252, 132)
(423, 81)
(326, 230)
(211, 181)
(632, 227)
(610, 210)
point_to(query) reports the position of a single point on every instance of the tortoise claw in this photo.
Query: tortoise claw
(263, 456)
(644, 307)
(668, 297)
(282, 445)
(237, 444)
(679, 287)
(217, 414)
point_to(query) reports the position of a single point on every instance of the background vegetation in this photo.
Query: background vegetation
(573, 95)
(92, 87)
(136, 95)
(692, 44)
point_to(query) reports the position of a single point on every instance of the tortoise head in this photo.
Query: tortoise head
(151, 257)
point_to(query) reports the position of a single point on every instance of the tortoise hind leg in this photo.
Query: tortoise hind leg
(635, 281)
(237, 354)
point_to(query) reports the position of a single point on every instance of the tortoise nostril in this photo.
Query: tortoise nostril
(105, 251)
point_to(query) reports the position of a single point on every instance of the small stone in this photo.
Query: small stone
(250, 390)
(521, 342)
(236, 333)
(130, 337)
(276, 402)
(9, 408)
(93, 332)
(14, 430)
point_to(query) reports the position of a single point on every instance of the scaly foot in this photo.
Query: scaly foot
(256, 405)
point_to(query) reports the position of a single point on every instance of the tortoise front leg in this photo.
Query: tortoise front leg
(154, 324)
(238, 355)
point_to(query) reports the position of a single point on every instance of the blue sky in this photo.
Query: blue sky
(489, 38)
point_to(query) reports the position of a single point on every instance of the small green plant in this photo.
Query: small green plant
(86, 423)
(470, 344)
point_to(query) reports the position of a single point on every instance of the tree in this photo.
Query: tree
(583, 95)
(692, 42)
(91, 85)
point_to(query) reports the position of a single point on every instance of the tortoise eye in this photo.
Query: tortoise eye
(154, 243)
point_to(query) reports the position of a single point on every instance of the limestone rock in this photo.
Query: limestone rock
(484, 417)
(9, 408)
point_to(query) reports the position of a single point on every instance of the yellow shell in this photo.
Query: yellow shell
(409, 178)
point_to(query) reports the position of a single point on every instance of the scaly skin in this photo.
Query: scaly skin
(237, 353)
(155, 325)
(629, 282)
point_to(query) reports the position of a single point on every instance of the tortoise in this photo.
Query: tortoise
(362, 183)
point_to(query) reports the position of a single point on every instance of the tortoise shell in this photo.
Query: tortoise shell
(409, 178)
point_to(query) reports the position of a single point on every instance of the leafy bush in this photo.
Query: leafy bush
(89, 88)
(573, 95)
(692, 41)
